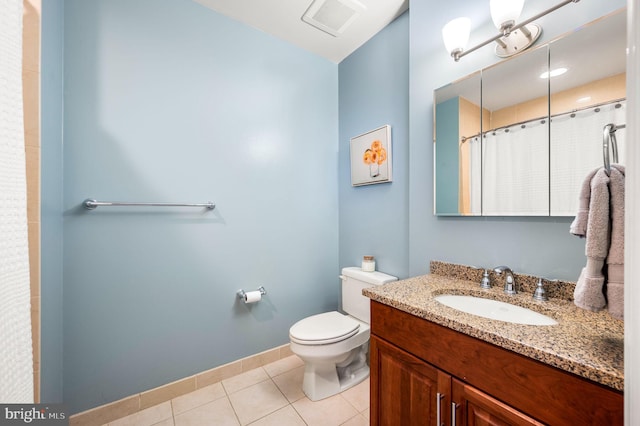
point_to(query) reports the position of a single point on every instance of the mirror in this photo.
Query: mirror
(458, 118)
(510, 141)
(588, 96)
(515, 144)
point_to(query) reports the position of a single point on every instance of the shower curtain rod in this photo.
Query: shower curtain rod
(91, 204)
(572, 113)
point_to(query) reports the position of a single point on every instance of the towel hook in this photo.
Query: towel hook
(609, 138)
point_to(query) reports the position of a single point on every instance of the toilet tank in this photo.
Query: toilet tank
(353, 281)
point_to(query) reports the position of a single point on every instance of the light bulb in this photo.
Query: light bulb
(456, 34)
(505, 13)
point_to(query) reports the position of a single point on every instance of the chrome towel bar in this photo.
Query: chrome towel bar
(91, 204)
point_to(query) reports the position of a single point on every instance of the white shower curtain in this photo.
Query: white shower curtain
(475, 175)
(16, 369)
(576, 149)
(515, 164)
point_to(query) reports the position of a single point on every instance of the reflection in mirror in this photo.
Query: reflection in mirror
(517, 152)
(515, 145)
(457, 108)
(588, 96)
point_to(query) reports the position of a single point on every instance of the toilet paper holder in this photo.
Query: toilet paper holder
(241, 293)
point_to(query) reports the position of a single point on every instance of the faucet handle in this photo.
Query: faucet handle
(485, 283)
(539, 293)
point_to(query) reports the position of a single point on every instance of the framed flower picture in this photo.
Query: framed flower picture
(371, 157)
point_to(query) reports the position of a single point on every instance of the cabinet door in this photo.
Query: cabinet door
(406, 390)
(475, 408)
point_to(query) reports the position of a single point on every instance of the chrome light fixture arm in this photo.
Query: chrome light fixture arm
(509, 28)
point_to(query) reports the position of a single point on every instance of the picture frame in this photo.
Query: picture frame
(371, 157)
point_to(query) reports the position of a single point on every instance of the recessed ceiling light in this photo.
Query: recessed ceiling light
(553, 73)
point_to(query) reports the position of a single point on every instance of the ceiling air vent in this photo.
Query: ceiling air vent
(332, 16)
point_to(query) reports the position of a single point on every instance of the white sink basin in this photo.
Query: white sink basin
(494, 309)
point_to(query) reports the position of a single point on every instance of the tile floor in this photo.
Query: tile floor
(269, 395)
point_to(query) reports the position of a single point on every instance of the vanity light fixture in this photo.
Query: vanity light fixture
(512, 38)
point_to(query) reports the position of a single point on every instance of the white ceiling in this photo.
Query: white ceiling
(283, 19)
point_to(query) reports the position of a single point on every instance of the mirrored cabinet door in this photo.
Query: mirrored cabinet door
(457, 137)
(588, 92)
(515, 141)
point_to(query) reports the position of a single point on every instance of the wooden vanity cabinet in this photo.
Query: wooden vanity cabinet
(405, 390)
(410, 391)
(419, 369)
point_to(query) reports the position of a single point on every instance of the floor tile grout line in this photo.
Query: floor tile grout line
(238, 390)
(298, 413)
(285, 371)
(200, 404)
(173, 417)
(234, 410)
(268, 414)
(350, 403)
(351, 418)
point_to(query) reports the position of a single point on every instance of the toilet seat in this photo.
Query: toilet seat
(322, 329)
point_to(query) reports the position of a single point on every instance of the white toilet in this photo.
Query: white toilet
(335, 346)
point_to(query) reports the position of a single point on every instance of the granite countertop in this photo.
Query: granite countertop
(588, 344)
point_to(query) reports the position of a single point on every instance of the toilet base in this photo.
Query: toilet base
(322, 380)
(321, 383)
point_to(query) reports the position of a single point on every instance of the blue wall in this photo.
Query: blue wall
(167, 100)
(170, 101)
(51, 198)
(541, 246)
(374, 91)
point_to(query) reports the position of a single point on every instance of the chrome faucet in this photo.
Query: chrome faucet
(510, 282)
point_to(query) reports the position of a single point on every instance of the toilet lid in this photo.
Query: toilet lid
(329, 327)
